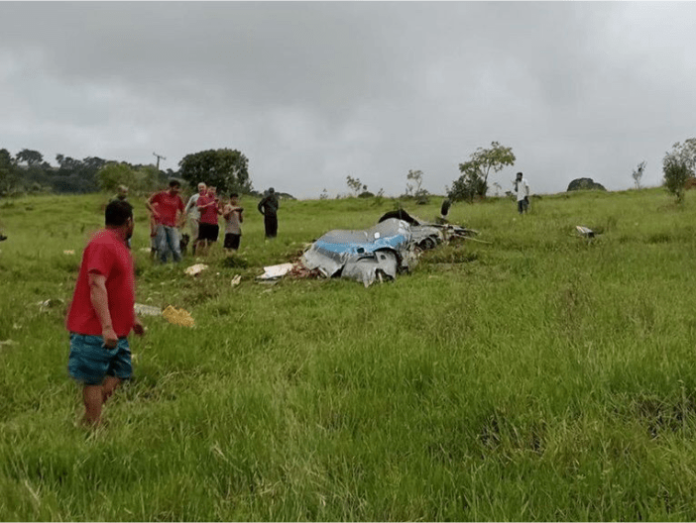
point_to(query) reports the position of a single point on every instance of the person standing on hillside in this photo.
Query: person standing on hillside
(522, 192)
(232, 213)
(101, 314)
(168, 212)
(194, 214)
(121, 194)
(208, 228)
(444, 210)
(269, 206)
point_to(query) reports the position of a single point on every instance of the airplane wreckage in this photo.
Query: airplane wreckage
(378, 253)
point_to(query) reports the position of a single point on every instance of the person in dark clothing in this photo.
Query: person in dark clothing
(444, 210)
(269, 206)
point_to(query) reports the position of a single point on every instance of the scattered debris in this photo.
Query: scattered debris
(147, 310)
(178, 316)
(69, 252)
(145, 249)
(275, 271)
(8, 343)
(195, 270)
(50, 303)
(235, 281)
(585, 232)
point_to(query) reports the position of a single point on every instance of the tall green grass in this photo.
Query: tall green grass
(538, 376)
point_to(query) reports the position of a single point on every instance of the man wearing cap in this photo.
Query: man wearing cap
(269, 206)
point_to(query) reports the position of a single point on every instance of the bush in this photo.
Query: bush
(676, 176)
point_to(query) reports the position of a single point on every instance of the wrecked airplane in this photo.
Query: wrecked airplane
(380, 252)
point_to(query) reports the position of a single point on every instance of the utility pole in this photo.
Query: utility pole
(159, 156)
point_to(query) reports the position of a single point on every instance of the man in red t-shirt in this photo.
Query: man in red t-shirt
(102, 314)
(208, 228)
(168, 209)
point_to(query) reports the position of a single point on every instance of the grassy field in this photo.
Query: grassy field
(535, 377)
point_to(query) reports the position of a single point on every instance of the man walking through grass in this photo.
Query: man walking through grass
(101, 314)
(168, 212)
(522, 192)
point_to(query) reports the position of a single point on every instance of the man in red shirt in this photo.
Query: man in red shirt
(102, 312)
(208, 228)
(169, 213)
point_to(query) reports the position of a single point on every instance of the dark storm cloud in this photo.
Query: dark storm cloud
(312, 92)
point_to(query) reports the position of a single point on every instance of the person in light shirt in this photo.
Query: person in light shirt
(194, 215)
(522, 192)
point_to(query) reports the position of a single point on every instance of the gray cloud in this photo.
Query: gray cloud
(312, 92)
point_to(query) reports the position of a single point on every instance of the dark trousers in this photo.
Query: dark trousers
(271, 223)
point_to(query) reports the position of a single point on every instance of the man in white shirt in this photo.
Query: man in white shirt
(194, 214)
(522, 192)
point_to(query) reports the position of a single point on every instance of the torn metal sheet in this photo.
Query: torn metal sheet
(364, 256)
(383, 264)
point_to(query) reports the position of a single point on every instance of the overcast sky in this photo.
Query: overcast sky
(313, 92)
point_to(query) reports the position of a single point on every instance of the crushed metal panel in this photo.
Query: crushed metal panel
(367, 269)
(330, 253)
(426, 236)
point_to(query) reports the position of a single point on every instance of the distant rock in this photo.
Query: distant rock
(585, 184)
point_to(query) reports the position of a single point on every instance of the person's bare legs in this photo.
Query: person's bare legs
(94, 397)
(110, 384)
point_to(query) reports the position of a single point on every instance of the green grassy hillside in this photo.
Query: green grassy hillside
(534, 377)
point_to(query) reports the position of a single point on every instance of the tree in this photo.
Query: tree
(685, 153)
(8, 177)
(678, 167)
(148, 179)
(474, 179)
(225, 169)
(355, 185)
(114, 174)
(29, 157)
(638, 173)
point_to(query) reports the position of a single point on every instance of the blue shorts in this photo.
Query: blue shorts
(90, 362)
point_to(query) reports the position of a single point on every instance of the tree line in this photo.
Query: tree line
(28, 172)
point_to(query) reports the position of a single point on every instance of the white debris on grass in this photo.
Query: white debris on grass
(275, 271)
(195, 270)
(69, 252)
(236, 280)
(147, 310)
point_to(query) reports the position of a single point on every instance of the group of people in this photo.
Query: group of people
(101, 314)
(168, 215)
